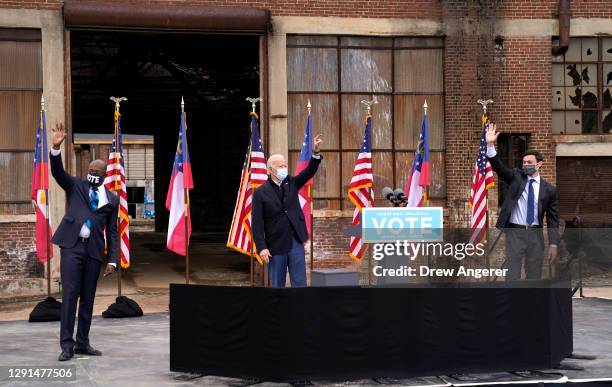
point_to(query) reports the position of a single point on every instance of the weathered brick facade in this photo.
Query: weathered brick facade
(18, 262)
(517, 77)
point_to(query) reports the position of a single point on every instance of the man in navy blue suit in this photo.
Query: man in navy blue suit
(279, 228)
(91, 209)
(521, 216)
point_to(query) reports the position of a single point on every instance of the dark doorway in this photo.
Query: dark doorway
(214, 73)
(511, 148)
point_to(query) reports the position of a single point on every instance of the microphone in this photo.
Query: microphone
(399, 194)
(388, 194)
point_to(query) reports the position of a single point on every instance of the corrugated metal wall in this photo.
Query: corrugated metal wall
(20, 92)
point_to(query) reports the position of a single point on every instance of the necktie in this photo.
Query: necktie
(93, 200)
(530, 202)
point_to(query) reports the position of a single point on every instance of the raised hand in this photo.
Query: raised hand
(491, 134)
(317, 143)
(58, 135)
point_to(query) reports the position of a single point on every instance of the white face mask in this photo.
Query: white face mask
(281, 173)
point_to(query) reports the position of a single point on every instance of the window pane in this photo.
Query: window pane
(558, 97)
(558, 75)
(419, 42)
(589, 121)
(606, 46)
(324, 119)
(21, 64)
(418, 71)
(366, 70)
(322, 204)
(312, 69)
(19, 114)
(572, 74)
(382, 170)
(573, 51)
(588, 74)
(353, 121)
(311, 40)
(409, 118)
(16, 178)
(607, 98)
(607, 121)
(326, 181)
(589, 97)
(590, 53)
(573, 122)
(360, 41)
(558, 122)
(573, 97)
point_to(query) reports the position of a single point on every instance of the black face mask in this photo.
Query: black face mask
(94, 180)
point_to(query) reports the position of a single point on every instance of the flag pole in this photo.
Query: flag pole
(309, 106)
(368, 105)
(426, 193)
(484, 103)
(186, 214)
(46, 193)
(118, 101)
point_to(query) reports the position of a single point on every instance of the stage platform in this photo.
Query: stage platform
(136, 353)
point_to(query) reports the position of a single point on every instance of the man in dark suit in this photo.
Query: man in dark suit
(90, 209)
(279, 229)
(529, 198)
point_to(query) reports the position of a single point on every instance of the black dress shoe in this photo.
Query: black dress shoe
(89, 350)
(66, 354)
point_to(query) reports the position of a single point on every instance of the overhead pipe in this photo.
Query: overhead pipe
(564, 28)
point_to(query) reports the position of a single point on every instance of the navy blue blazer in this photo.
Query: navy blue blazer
(78, 210)
(274, 220)
(547, 199)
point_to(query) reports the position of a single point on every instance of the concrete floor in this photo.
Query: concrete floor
(136, 352)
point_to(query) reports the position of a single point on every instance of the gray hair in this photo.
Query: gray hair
(274, 158)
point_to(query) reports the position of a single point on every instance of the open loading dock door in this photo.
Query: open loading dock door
(155, 55)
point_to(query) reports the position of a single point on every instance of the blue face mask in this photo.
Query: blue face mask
(281, 173)
(529, 169)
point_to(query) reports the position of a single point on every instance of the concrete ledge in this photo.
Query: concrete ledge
(25, 287)
(28, 218)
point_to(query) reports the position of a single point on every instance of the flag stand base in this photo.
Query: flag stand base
(122, 308)
(46, 310)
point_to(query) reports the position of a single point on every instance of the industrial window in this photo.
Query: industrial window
(20, 92)
(581, 87)
(335, 74)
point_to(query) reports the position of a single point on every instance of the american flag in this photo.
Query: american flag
(304, 195)
(360, 190)
(254, 174)
(482, 181)
(115, 181)
(40, 189)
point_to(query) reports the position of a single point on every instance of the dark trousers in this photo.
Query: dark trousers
(80, 275)
(294, 260)
(524, 244)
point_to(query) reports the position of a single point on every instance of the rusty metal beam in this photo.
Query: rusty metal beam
(166, 17)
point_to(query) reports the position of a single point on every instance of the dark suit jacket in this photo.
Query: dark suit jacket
(79, 210)
(274, 220)
(547, 199)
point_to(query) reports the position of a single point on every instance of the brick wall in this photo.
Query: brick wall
(511, 9)
(18, 252)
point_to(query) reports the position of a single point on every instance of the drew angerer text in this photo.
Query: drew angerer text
(426, 271)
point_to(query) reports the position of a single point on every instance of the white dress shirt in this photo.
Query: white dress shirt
(519, 212)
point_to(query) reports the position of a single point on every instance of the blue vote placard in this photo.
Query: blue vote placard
(390, 224)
